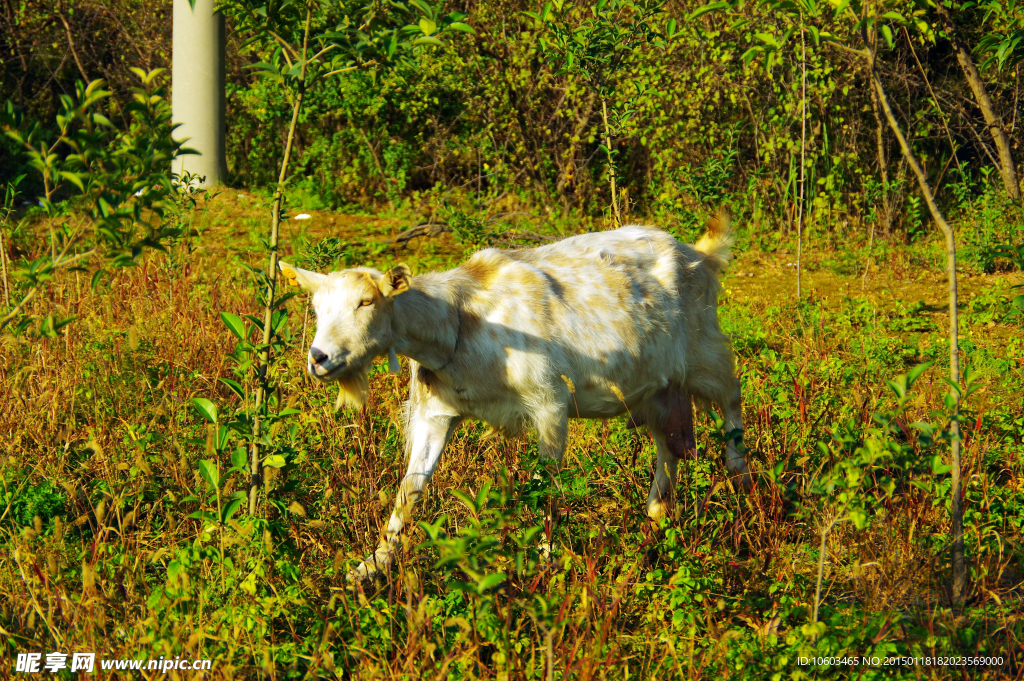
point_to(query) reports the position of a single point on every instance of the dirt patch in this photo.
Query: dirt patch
(773, 275)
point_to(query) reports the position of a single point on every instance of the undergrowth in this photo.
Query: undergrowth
(122, 536)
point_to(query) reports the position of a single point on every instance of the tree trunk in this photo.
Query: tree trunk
(197, 88)
(886, 214)
(959, 563)
(1007, 170)
(803, 166)
(616, 218)
(268, 309)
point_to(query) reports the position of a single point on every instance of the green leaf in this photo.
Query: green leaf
(955, 386)
(74, 179)
(428, 40)
(859, 518)
(490, 581)
(230, 509)
(939, 467)
(206, 408)
(916, 372)
(427, 26)
(713, 7)
(235, 386)
(749, 55)
(274, 461)
(239, 460)
(222, 437)
(887, 32)
(256, 322)
(460, 26)
(210, 474)
(466, 499)
(424, 8)
(234, 324)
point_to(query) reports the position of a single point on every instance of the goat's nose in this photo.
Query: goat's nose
(317, 355)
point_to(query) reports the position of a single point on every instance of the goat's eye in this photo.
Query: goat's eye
(366, 303)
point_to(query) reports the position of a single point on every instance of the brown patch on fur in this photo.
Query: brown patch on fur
(371, 286)
(469, 323)
(677, 424)
(425, 376)
(482, 268)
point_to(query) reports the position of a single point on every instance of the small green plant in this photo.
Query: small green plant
(244, 415)
(1013, 253)
(327, 253)
(45, 501)
(471, 232)
(496, 560)
(121, 180)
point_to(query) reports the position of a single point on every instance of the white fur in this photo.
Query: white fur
(588, 327)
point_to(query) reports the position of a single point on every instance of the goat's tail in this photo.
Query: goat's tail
(716, 244)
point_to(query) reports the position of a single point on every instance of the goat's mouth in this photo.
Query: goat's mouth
(333, 373)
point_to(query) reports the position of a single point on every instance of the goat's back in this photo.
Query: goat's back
(615, 313)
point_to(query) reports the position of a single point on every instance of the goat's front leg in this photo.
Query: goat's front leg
(552, 422)
(428, 435)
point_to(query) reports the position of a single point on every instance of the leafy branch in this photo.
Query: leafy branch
(597, 48)
(121, 182)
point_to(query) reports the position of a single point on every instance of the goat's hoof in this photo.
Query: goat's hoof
(367, 571)
(547, 555)
(656, 511)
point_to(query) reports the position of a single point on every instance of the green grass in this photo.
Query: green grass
(113, 541)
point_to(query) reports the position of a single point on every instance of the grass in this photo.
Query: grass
(107, 548)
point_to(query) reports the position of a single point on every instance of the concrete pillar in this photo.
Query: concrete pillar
(197, 88)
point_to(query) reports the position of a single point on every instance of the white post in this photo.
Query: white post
(197, 88)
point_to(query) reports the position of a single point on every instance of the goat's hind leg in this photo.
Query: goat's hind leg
(670, 419)
(732, 412)
(724, 389)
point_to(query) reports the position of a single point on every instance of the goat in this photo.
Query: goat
(592, 326)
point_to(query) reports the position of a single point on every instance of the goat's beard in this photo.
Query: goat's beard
(353, 387)
(353, 390)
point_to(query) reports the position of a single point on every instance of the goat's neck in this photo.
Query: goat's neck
(425, 324)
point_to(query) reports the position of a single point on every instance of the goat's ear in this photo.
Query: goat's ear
(309, 281)
(395, 281)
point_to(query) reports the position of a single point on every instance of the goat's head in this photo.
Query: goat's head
(354, 310)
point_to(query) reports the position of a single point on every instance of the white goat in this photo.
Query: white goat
(592, 326)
